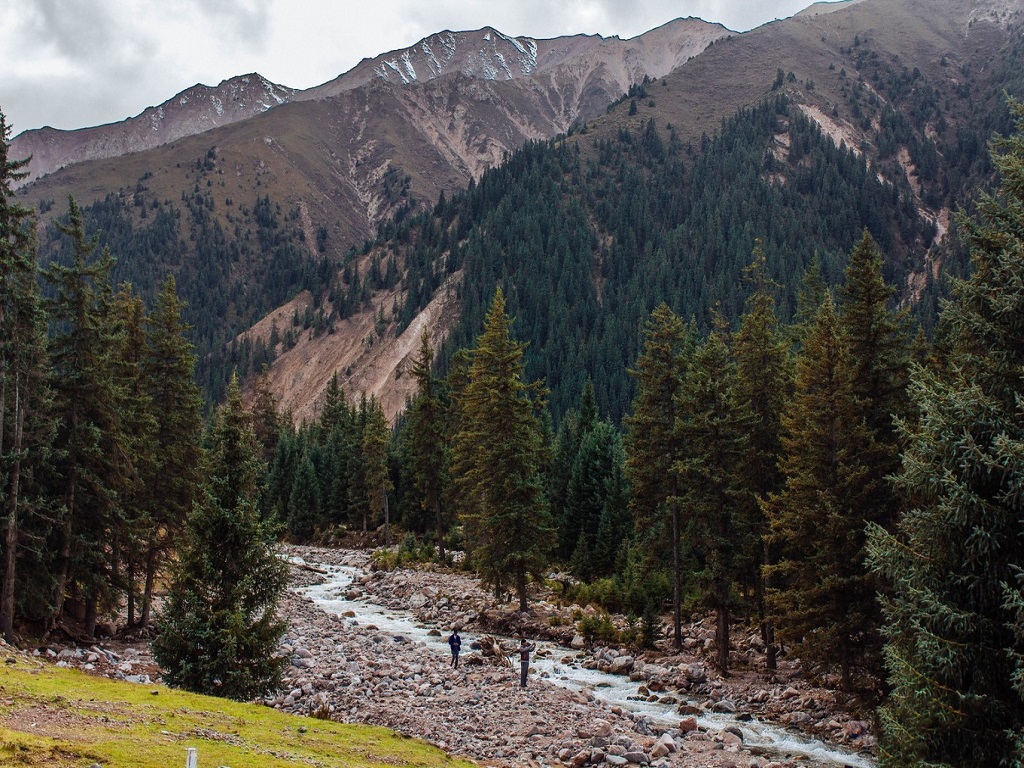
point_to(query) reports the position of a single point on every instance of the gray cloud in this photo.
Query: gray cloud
(247, 20)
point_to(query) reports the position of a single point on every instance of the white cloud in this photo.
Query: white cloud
(73, 63)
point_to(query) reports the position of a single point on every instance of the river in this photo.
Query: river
(558, 666)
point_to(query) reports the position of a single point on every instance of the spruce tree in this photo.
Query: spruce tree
(90, 440)
(428, 449)
(652, 447)
(133, 524)
(712, 428)
(763, 383)
(821, 596)
(169, 368)
(593, 491)
(26, 423)
(954, 613)
(878, 340)
(375, 457)
(218, 634)
(499, 445)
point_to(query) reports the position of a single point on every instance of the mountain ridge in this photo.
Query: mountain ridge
(356, 163)
(194, 110)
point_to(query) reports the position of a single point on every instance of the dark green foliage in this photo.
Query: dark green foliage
(218, 634)
(499, 451)
(596, 514)
(764, 386)
(26, 418)
(954, 645)
(173, 473)
(585, 248)
(653, 450)
(93, 455)
(712, 428)
(821, 597)
(428, 450)
(319, 478)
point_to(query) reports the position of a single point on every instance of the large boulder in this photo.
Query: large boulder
(621, 665)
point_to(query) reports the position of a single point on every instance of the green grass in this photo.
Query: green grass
(51, 716)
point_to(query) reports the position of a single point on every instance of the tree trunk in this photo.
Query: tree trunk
(722, 639)
(11, 532)
(677, 585)
(387, 518)
(767, 625)
(64, 555)
(440, 529)
(521, 589)
(147, 592)
(90, 614)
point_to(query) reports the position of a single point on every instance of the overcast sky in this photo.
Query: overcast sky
(77, 63)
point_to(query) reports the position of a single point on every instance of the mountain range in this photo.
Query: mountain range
(269, 186)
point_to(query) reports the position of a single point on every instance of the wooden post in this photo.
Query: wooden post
(191, 757)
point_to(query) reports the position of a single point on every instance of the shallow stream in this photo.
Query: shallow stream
(614, 690)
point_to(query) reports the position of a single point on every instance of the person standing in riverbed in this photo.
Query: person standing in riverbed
(455, 643)
(524, 660)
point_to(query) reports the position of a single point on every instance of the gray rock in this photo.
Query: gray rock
(621, 665)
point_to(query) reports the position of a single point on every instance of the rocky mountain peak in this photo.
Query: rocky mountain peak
(194, 110)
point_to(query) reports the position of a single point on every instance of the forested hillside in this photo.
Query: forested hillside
(668, 192)
(586, 244)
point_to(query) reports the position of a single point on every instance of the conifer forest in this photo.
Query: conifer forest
(777, 437)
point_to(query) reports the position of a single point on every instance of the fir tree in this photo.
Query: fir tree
(652, 448)
(499, 444)
(428, 450)
(375, 457)
(169, 368)
(90, 439)
(218, 634)
(712, 429)
(26, 424)
(954, 641)
(821, 596)
(133, 525)
(878, 341)
(595, 488)
(763, 382)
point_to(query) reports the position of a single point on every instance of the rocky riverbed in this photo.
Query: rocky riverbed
(356, 671)
(348, 668)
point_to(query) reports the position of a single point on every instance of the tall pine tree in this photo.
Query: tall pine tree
(90, 439)
(428, 445)
(712, 428)
(26, 424)
(499, 444)
(652, 445)
(763, 382)
(821, 597)
(218, 634)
